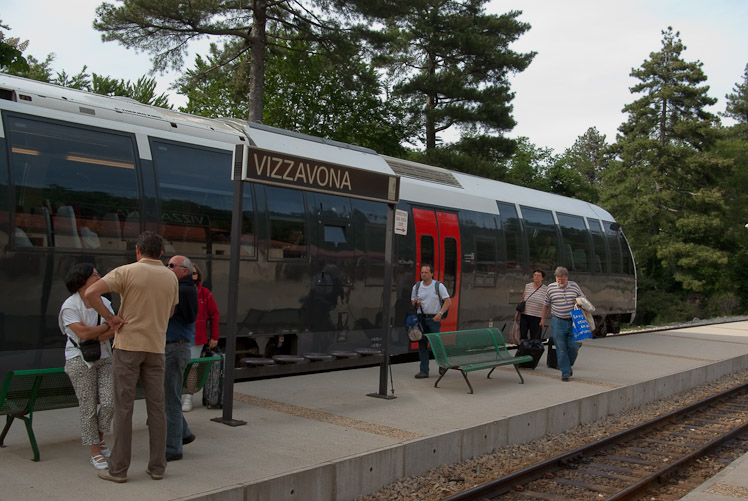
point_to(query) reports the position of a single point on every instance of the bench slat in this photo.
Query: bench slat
(31, 390)
(472, 350)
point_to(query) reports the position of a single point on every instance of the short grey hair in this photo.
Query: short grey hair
(561, 272)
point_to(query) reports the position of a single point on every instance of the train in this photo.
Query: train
(81, 175)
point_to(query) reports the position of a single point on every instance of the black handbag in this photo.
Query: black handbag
(91, 349)
(522, 304)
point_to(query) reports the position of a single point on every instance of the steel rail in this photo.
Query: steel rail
(504, 484)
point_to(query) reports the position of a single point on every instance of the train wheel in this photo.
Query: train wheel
(601, 327)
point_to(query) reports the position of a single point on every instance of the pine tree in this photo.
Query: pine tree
(737, 103)
(452, 61)
(589, 156)
(664, 186)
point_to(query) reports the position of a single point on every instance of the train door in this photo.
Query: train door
(438, 242)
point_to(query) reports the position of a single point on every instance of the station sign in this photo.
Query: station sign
(279, 169)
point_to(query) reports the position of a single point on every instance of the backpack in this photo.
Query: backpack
(438, 294)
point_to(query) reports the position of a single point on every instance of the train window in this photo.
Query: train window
(628, 261)
(287, 228)
(613, 247)
(428, 254)
(196, 195)
(372, 216)
(542, 238)
(75, 187)
(485, 262)
(375, 248)
(335, 234)
(450, 265)
(512, 234)
(599, 260)
(576, 249)
(332, 206)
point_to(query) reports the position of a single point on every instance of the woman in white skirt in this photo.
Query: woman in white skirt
(92, 380)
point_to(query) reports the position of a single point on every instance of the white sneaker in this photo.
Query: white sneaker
(99, 462)
(187, 403)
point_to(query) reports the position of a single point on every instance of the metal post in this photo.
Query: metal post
(233, 306)
(386, 300)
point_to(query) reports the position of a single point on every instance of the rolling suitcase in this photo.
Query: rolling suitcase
(213, 389)
(551, 360)
(532, 347)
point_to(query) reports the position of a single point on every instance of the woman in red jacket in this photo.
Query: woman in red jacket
(207, 312)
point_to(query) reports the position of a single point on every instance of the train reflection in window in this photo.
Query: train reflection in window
(74, 187)
(542, 239)
(287, 228)
(485, 262)
(576, 248)
(197, 201)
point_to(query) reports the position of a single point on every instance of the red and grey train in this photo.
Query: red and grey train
(81, 175)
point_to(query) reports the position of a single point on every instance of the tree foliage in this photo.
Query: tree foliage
(666, 187)
(589, 156)
(307, 92)
(11, 52)
(165, 28)
(452, 62)
(737, 102)
(143, 90)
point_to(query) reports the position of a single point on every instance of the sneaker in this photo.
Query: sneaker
(188, 439)
(104, 448)
(422, 375)
(99, 462)
(105, 475)
(187, 403)
(153, 475)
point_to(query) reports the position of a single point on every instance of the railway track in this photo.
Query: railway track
(629, 463)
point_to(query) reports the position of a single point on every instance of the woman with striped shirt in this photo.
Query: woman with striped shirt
(534, 298)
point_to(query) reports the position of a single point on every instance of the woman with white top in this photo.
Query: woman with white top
(92, 381)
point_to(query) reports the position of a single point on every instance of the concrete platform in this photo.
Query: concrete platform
(320, 437)
(727, 485)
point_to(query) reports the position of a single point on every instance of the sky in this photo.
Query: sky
(579, 78)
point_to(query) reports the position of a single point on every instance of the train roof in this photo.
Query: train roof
(434, 185)
(419, 182)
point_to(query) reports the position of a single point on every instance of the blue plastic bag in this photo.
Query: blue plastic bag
(581, 328)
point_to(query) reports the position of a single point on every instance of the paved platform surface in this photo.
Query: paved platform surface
(320, 437)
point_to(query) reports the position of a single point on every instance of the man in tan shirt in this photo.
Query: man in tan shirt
(149, 293)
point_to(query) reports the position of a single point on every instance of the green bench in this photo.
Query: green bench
(472, 350)
(27, 391)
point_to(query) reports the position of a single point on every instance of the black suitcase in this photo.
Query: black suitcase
(551, 360)
(213, 389)
(532, 347)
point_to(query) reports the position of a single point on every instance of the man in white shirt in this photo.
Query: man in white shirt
(426, 300)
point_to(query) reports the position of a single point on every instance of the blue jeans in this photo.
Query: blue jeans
(423, 350)
(177, 358)
(566, 347)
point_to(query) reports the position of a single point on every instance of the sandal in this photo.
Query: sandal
(104, 449)
(99, 462)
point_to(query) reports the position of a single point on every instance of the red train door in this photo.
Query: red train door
(438, 243)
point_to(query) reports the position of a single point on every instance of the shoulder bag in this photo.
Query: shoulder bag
(521, 306)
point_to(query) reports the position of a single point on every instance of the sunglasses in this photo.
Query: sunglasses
(172, 265)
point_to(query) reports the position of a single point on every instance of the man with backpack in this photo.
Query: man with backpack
(431, 300)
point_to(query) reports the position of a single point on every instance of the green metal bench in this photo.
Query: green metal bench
(27, 391)
(472, 350)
